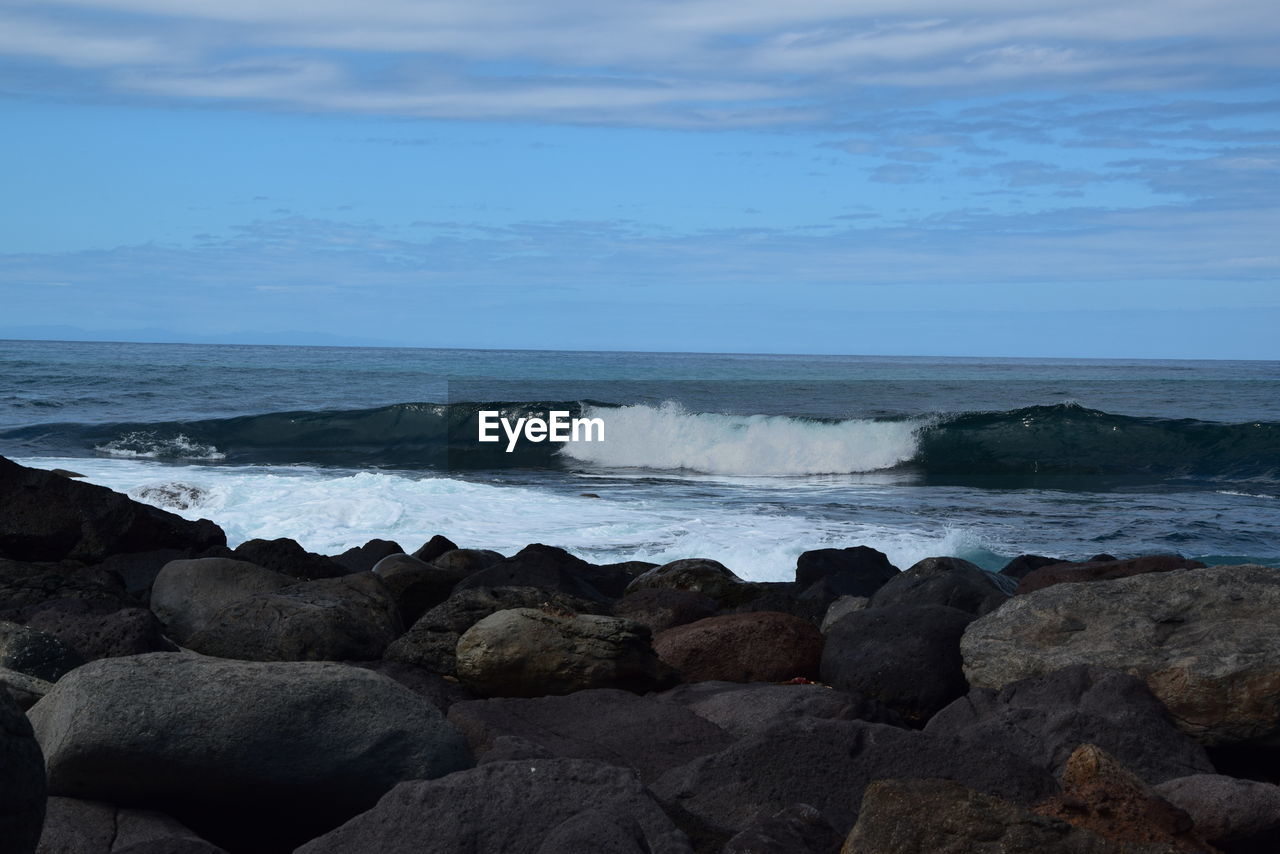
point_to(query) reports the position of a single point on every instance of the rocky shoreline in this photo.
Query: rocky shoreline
(164, 693)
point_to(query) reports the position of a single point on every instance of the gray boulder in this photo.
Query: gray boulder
(947, 581)
(700, 575)
(187, 594)
(1205, 641)
(798, 829)
(100, 629)
(1236, 815)
(416, 586)
(529, 652)
(546, 806)
(22, 781)
(281, 751)
(35, 653)
(74, 826)
(747, 709)
(25, 690)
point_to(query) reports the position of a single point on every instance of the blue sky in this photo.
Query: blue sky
(918, 177)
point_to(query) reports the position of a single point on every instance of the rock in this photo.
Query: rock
(855, 571)
(544, 567)
(286, 557)
(66, 472)
(333, 619)
(828, 764)
(97, 629)
(26, 587)
(530, 652)
(245, 753)
(550, 806)
(94, 827)
(364, 558)
(24, 690)
(434, 548)
(467, 561)
(797, 829)
(1236, 815)
(188, 594)
(945, 817)
(905, 656)
(1101, 795)
(432, 641)
(700, 575)
(1205, 641)
(22, 781)
(946, 581)
(1022, 565)
(138, 571)
(779, 597)
(46, 517)
(432, 687)
(1075, 573)
(661, 609)
(841, 608)
(755, 647)
(1045, 718)
(605, 725)
(416, 586)
(35, 653)
(179, 496)
(746, 709)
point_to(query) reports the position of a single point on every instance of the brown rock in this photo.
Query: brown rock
(763, 646)
(1074, 573)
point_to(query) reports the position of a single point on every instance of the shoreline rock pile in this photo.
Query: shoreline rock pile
(181, 696)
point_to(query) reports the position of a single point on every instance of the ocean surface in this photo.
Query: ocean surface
(748, 459)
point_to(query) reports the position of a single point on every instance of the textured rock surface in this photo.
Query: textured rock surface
(946, 581)
(944, 817)
(798, 829)
(1077, 573)
(611, 726)
(754, 647)
(1206, 642)
(416, 586)
(366, 557)
(843, 607)
(1045, 718)
(28, 587)
(100, 629)
(548, 806)
(700, 575)
(1237, 815)
(544, 567)
(746, 709)
(35, 653)
(24, 690)
(661, 609)
(529, 652)
(285, 556)
(94, 827)
(432, 641)
(187, 594)
(905, 656)
(228, 746)
(46, 517)
(22, 781)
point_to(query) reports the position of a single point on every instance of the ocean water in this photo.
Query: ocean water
(748, 459)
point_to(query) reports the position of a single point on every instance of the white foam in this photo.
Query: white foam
(144, 444)
(329, 512)
(668, 437)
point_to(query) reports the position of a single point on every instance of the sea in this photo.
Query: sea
(747, 459)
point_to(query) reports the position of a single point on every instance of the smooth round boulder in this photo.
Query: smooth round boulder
(287, 557)
(366, 557)
(853, 571)
(700, 575)
(22, 781)
(416, 586)
(544, 567)
(187, 594)
(242, 752)
(530, 652)
(761, 646)
(1236, 815)
(947, 581)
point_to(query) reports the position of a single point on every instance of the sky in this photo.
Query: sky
(916, 177)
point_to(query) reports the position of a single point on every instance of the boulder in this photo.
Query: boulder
(24, 690)
(466, 561)
(415, 585)
(1205, 641)
(434, 548)
(1045, 718)
(35, 653)
(548, 806)
(827, 764)
(99, 629)
(842, 607)
(945, 817)
(1076, 573)
(905, 656)
(531, 652)
(138, 570)
(250, 755)
(286, 557)
(753, 647)
(364, 558)
(432, 641)
(796, 829)
(1023, 565)
(661, 609)
(544, 567)
(700, 575)
(1101, 795)
(605, 725)
(946, 581)
(46, 517)
(26, 587)
(855, 571)
(73, 826)
(188, 594)
(1239, 816)
(432, 687)
(22, 781)
(746, 709)
(333, 619)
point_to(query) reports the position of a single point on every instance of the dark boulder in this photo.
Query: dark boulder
(434, 548)
(188, 594)
(700, 575)
(905, 656)
(364, 558)
(432, 687)
(946, 581)
(27, 587)
(35, 653)
(98, 629)
(745, 709)
(286, 557)
(605, 725)
(1238, 816)
(46, 517)
(544, 567)
(548, 806)
(753, 647)
(415, 585)
(854, 571)
(797, 829)
(1023, 565)
(661, 609)
(73, 826)
(22, 781)
(467, 561)
(1045, 718)
(1075, 573)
